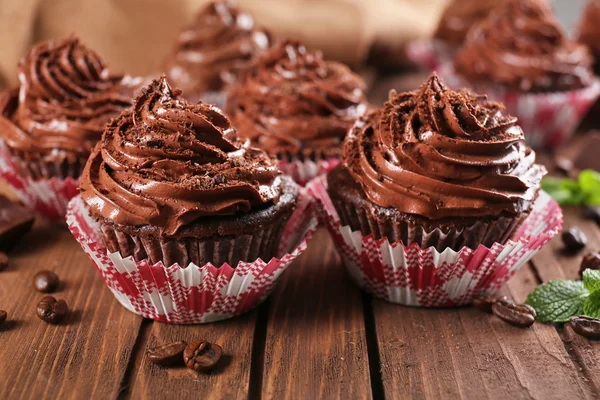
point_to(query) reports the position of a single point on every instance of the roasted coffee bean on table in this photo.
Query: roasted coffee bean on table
(589, 261)
(592, 212)
(3, 261)
(485, 303)
(2, 316)
(586, 326)
(168, 354)
(51, 310)
(201, 355)
(573, 239)
(521, 315)
(46, 281)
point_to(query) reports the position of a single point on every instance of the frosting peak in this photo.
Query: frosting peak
(66, 97)
(521, 45)
(167, 163)
(219, 44)
(439, 153)
(293, 99)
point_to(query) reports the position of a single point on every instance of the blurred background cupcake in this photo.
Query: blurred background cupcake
(589, 31)
(298, 107)
(521, 56)
(51, 122)
(432, 188)
(213, 50)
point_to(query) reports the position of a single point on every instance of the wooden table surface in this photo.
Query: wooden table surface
(312, 339)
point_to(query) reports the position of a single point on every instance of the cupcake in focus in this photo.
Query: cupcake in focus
(298, 107)
(185, 222)
(431, 180)
(51, 122)
(456, 20)
(521, 56)
(213, 50)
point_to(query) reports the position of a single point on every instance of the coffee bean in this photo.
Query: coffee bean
(3, 261)
(46, 281)
(563, 165)
(586, 326)
(573, 239)
(521, 315)
(485, 303)
(2, 316)
(201, 355)
(593, 213)
(168, 354)
(51, 310)
(589, 261)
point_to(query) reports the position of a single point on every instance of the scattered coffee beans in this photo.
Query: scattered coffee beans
(589, 261)
(168, 354)
(51, 310)
(3, 261)
(485, 303)
(2, 316)
(201, 355)
(592, 212)
(573, 239)
(586, 326)
(521, 315)
(45, 281)
(563, 165)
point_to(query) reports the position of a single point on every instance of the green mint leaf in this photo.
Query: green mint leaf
(591, 306)
(564, 191)
(589, 181)
(558, 301)
(591, 280)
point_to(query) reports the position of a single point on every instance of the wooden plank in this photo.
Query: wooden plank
(231, 378)
(315, 345)
(87, 355)
(464, 353)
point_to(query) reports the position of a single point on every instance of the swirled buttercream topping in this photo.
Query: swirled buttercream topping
(439, 153)
(167, 163)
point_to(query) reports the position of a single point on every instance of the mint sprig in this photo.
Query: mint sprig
(571, 192)
(559, 300)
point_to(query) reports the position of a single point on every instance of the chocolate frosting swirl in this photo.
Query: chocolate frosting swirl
(66, 97)
(522, 46)
(438, 153)
(167, 163)
(214, 49)
(293, 99)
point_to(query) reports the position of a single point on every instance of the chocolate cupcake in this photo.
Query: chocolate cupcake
(298, 107)
(210, 54)
(521, 46)
(589, 31)
(172, 182)
(438, 168)
(54, 119)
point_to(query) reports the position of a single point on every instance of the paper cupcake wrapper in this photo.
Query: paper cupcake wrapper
(193, 294)
(548, 119)
(414, 276)
(47, 197)
(303, 171)
(429, 54)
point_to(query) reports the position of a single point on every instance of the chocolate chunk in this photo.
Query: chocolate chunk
(15, 222)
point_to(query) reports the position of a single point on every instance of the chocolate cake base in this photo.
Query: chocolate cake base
(215, 240)
(358, 212)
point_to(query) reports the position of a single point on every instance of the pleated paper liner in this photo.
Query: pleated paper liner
(194, 294)
(426, 277)
(304, 171)
(548, 119)
(48, 197)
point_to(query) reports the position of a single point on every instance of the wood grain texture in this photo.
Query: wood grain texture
(231, 378)
(84, 357)
(315, 345)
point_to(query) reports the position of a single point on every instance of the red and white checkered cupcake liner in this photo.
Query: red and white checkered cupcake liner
(193, 294)
(413, 276)
(304, 171)
(548, 119)
(429, 54)
(47, 197)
